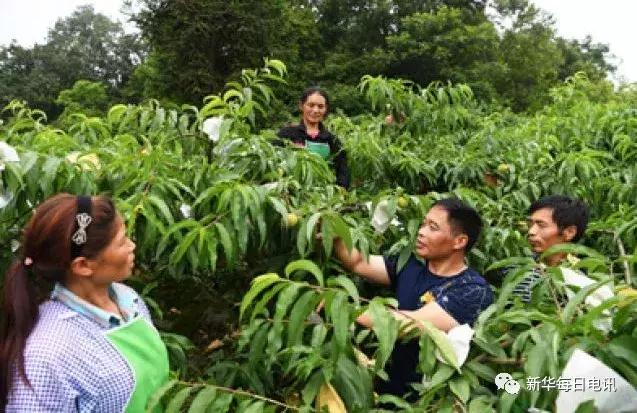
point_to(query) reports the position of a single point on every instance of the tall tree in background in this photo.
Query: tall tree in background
(584, 56)
(506, 50)
(24, 75)
(199, 44)
(536, 59)
(85, 45)
(447, 44)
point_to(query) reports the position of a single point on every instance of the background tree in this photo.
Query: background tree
(198, 45)
(506, 50)
(25, 75)
(447, 44)
(536, 59)
(89, 98)
(584, 56)
(85, 45)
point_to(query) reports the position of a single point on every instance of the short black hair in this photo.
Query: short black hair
(312, 90)
(566, 211)
(463, 219)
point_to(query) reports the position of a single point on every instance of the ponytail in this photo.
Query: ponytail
(17, 319)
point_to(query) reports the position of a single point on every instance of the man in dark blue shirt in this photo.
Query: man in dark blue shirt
(434, 285)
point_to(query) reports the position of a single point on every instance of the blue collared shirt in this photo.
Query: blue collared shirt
(125, 298)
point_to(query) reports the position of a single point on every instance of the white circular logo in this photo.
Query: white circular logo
(505, 381)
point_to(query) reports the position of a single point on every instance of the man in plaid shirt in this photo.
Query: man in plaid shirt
(554, 220)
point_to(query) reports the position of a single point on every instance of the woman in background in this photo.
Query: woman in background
(312, 135)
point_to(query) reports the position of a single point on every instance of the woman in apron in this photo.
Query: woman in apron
(91, 346)
(312, 135)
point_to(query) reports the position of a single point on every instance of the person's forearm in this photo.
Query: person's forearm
(404, 317)
(349, 259)
(407, 320)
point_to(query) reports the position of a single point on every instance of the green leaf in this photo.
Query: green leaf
(163, 208)
(174, 229)
(221, 404)
(230, 94)
(507, 401)
(278, 65)
(305, 265)
(483, 371)
(342, 230)
(586, 407)
(175, 404)
(259, 284)
(511, 262)
(265, 299)
(441, 375)
(624, 347)
(491, 348)
(257, 346)
(278, 206)
(597, 313)
(312, 386)
(319, 332)
(480, 405)
(354, 384)
(156, 397)
(255, 407)
(579, 298)
(442, 343)
(427, 354)
(327, 236)
(301, 309)
(116, 112)
(301, 240)
(512, 279)
(339, 314)
(212, 251)
(570, 248)
(405, 253)
(226, 242)
(311, 223)
(183, 246)
(284, 301)
(348, 285)
(385, 327)
(460, 387)
(535, 361)
(394, 400)
(50, 167)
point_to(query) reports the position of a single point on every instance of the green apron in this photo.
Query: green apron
(141, 346)
(319, 148)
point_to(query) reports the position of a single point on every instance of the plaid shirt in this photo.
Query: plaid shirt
(70, 364)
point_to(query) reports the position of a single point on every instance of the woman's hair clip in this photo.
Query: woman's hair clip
(83, 221)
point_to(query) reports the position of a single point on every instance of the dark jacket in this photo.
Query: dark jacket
(298, 134)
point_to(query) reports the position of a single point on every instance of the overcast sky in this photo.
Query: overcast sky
(611, 22)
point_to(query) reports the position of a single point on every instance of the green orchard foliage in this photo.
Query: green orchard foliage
(89, 98)
(262, 317)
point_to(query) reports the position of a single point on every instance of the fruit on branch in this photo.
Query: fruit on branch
(292, 219)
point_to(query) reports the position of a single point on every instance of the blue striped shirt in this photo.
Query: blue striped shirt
(524, 289)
